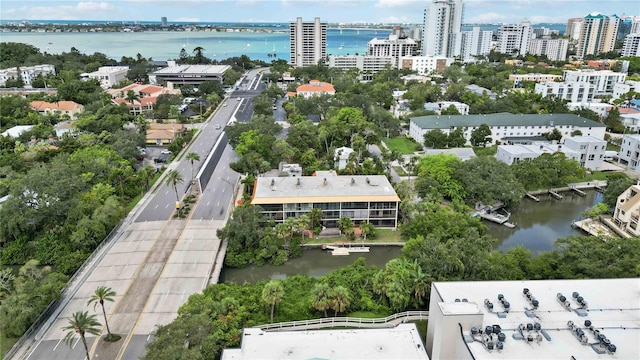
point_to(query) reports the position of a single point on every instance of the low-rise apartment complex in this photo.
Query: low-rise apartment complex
(507, 128)
(361, 198)
(26, 73)
(108, 76)
(69, 108)
(587, 150)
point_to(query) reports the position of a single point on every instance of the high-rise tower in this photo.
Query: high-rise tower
(308, 42)
(442, 34)
(597, 34)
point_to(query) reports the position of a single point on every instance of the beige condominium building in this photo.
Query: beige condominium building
(361, 198)
(308, 42)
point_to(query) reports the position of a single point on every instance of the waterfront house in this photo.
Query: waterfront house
(627, 210)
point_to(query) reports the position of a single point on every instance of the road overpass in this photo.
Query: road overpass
(154, 262)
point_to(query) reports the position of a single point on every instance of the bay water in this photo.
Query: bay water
(166, 45)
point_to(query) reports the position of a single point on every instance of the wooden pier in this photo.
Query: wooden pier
(532, 197)
(578, 191)
(555, 195)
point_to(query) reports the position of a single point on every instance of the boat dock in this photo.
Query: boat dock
(555, 195)
(578, 191)
(532, 197)
(491, 213)
(341, 250)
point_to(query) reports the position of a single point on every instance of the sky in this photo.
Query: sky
(333, 11)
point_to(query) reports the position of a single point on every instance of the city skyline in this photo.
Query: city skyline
(334, 11)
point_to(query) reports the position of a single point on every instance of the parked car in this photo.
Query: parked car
(218, 127)
(165, 152)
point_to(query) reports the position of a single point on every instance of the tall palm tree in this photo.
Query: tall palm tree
(132, 97)
(321, 299)
(101, 295)
(340, 299)
(192, 157)
(174, 178)
(81, 323)
(272, 294)
(198, 57)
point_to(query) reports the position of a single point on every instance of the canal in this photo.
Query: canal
(539, 225)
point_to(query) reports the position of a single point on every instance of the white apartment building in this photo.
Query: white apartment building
(537, 77)
(554, 49)
(534, 319)
(629, 153)
(27, 73)
(602, 109)
(108, 76)
(308, 42)
(514, 38)
(597, 34)
(441, 34)
(635, 25)
(627, 211)
(439, 106)
(507, 128)
(393, 46)
(510, 154)
(474, 43)
(576, 92)
(622, 88)
(631, 46)
(603, 80)
(574, 25)
(367, 64)
(425, 65)
(590, 149)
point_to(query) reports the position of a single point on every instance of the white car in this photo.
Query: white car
(218, 127)
(239, 98)
(225, 104)
(165, 152)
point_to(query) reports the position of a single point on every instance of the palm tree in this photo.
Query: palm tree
(367, 228)
(272, 294)
(147, 174)
(345, 225)
(198, 58)
(192, 156)
(340, 299)
(321, 300)
(132, 97)
(81, 323)
(101, 295)
(174, 178)
(315, 216)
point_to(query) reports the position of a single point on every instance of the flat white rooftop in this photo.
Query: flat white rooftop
(314, 189)
(613, 308)
(401, 342)
(194, 69)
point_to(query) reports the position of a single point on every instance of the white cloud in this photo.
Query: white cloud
(80, 11)
(485, 18)
(396, 3)
(187, 19)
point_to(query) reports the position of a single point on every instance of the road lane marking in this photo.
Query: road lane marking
(207, 203)
(222, 189)
(156, 206)
(218, 203)
(74, 344)
(166, 206)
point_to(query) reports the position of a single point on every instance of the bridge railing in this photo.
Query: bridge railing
(330, 322)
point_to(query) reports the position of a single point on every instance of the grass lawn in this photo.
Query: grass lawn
(402, 144)
(422, 329)
(612, 147)
(6, 344)
(400, 171)
(384, 235)
(367, 315)
(486, 151)
(595, 175)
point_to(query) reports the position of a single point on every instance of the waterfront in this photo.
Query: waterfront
(540, 224)
(165, 45)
